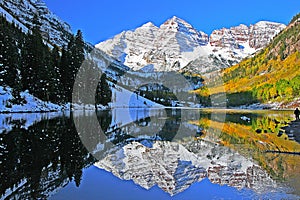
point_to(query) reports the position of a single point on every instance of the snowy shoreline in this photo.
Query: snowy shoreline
(122, 99)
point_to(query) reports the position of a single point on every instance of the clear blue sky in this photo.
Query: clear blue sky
(100, 20)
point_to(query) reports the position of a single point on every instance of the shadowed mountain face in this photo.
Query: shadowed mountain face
(176, 43)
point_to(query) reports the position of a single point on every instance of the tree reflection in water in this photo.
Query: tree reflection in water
(38, 157)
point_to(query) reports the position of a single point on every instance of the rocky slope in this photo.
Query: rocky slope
(22, 13)
(177, 44)
(256, 36)
(271, 76)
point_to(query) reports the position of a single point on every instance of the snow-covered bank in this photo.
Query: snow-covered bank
(123, 98)
(30, 103)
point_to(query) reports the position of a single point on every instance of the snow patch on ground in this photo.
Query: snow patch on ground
(31, 104)
(123, 98)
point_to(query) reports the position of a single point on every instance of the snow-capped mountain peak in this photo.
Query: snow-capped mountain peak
(184, 32)
(177, 45)
(149, 25)
(175, 23)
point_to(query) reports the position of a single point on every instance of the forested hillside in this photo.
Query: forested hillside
(272, 75)
(48, 72)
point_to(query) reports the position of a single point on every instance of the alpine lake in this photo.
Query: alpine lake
(132, 153)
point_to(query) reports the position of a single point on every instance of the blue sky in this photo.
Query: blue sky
(100, 20)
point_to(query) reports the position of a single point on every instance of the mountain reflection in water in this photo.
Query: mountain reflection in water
(172, 148)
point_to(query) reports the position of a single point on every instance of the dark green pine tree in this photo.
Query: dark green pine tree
(38, 70)
(78, 53)
(103, 93)
(48, 76)
(63, 75)
(75, 55)
(55, 82)
(86, 79)
(10, 43)
(69, 70)
(33, 60)
(9, 59)
(27, 63)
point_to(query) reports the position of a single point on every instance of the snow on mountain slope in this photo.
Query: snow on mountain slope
(122, 98)
(23, 11)
(260, 33)
(11, 19)
(256, 36)
(176, 43)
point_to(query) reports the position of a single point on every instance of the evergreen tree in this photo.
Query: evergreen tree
(86, 79)
(75, 57)
(78, 53)
(38, 72)
(103, 93)
(33, 60)
(55, 83)
(9, 59)
(27, 63)
(63, 74)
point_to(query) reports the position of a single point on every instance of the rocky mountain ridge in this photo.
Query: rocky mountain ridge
(177, 44)
(257, 35)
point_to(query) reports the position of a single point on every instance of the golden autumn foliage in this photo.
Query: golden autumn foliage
(270, 72)
(245, 139)
(273, 74)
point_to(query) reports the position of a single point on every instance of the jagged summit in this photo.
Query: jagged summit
(149, 25)
(175, 21)
(176, 44)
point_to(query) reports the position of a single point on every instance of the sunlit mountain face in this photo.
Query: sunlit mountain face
(176, 45)
(141, 145)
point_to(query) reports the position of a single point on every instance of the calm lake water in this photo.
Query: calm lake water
(149, 154)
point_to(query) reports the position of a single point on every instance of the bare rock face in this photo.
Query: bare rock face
(256, 36)
(262, 33)
(176, 41)
(231, 37)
